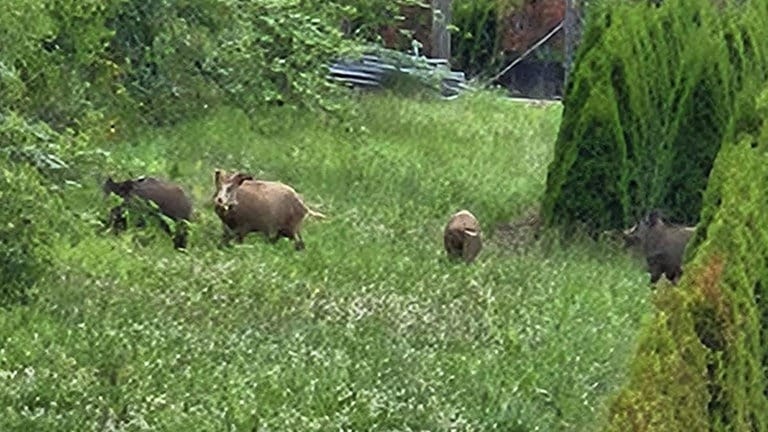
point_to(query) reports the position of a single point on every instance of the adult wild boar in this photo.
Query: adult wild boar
(662, 244)
(170, 199)
(462, 237)
(272, 208)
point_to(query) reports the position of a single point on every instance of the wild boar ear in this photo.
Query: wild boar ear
(653, 217)
(108, 185)
(240, 178)
(217, 177)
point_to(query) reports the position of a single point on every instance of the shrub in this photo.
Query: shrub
(475, 42)
(89, 65)
(702, 362)
(179, 58)
(38, 165)
(51, 63)
(29, 215)
(652, 96)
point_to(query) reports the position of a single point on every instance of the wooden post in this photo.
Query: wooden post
(572, 27)
(441, 37)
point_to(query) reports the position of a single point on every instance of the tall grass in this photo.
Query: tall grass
(369, 328)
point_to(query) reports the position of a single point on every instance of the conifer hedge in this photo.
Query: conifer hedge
(702, 361)
(653, 92)
(668, 108)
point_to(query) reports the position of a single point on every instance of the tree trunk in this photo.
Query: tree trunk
(572, 27)
(441, 37)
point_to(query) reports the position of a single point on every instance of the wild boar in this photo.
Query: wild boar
(663, 245)
(272, 208)
(462, 236)
(170, 199)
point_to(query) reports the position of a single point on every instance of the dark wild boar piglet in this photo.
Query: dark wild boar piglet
(169, 198)
(662, 244)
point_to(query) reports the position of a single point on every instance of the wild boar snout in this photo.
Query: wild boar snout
(225, 197)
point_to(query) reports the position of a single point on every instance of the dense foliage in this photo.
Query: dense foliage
(29, 217)
(475, 39)
(654, 90)
(68, 61)
(478, 28)
(701, 363)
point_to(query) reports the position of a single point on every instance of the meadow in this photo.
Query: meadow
(369, 328)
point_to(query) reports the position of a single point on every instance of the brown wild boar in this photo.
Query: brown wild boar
(663, 245)
(270, 207)
(462, 237)
(170, 198)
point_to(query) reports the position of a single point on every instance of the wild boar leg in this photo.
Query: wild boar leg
(239, 237)
(298, 242)
(226, 235)
(674, 275)
(655, 267)
(180, 237)
(117, 221)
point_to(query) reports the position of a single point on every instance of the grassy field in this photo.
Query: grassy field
(369, 328)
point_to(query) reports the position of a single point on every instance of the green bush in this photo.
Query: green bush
(60, 157)
(651, 99)
(51, 63)
(38, 166)
(365, 18)
(702, 362)
(179, 58)
(475, 42)
(29, 216)
(85, 66)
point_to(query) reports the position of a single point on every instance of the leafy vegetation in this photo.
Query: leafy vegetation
(475, 42)
(369, 328)
(25, 233)
(85, 68)
(477, 33)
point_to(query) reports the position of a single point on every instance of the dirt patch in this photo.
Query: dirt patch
(520, 232)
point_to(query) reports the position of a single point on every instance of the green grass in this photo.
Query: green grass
(369, 328)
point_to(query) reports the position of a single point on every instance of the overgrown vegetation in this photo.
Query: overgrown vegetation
(701, 360)
(475, 39)
(477, 32)
(370, 328)
(25, 234)
(73, 63)
(647, 109)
